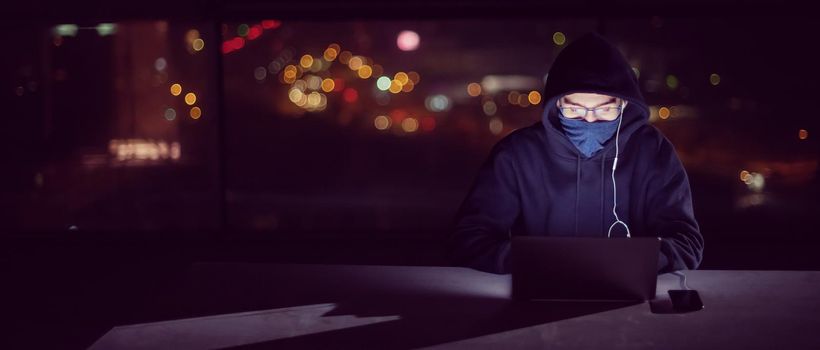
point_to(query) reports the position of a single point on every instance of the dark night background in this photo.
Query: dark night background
(109, 176)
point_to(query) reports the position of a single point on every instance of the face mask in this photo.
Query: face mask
(588, 137)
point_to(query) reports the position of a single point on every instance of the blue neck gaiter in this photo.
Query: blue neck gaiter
(588, 137)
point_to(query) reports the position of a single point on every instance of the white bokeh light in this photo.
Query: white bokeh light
(408, 40)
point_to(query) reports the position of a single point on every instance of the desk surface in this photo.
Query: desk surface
(260, 306)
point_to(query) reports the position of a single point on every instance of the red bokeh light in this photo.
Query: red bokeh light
(351, 95)
(270, 24)
(254, 32)
(428, 123)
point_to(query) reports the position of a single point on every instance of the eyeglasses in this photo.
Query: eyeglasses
(606, 113)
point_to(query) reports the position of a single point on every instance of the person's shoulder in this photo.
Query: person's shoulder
(650, 139)
(522, 137)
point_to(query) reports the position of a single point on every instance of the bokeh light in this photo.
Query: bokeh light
(260, 73)
(496, 126)
(190, 98)
(191, 35)
(410, 124)
(559, 38)
(414, 77)
(744, 175)
(195, 113)
(428, 123)
(534, 97)
(714, 79)
(66, 30)
(355, 62)
(350, 95)
(383, 83)
(306, 61)
(381, 122)
(489, 108)
(402, 77)
(170, 114)
(395, 86)
(437, 103)
(176, 89)
(408, 40)
(365, 72)
(328, 85)
(344, 57)
(242, 30)
(803, 134)
(104, 29)
(198, 44)
(474, 89)
(330, 54)
(672, 81)
(408, 86)
(664, 113)
(160, 64)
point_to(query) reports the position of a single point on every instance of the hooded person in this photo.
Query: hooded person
(555, 177)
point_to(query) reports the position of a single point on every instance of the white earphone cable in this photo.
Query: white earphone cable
(614, 188)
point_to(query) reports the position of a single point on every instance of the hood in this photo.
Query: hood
(591, 64)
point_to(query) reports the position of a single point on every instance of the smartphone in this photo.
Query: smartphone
(685, 300)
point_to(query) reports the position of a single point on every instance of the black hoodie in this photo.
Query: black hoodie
(536, 182)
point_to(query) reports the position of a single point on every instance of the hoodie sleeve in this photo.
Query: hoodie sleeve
(481, 236)
(670, 213)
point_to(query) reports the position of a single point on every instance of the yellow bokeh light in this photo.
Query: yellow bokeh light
(410, 124)
(803, 134)
(306, 61)
(302, 101)
(176, 89)
(295, 95)
(355, 63)
(534, 97)
(365, 72)
(198, 44)
(381, 122)
(196, 112)
(395, 86)
(190, 98)
(314, 98)
(714, 79)
(330, 54)
(328, 85)
(559, 38)
(474, 89)
(402, 77)
(664, 113)
(744, 175)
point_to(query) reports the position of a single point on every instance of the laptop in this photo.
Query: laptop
(584, 268)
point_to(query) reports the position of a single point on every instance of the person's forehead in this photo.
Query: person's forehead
(584, 97)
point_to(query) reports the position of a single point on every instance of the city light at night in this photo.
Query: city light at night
(408, 40)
